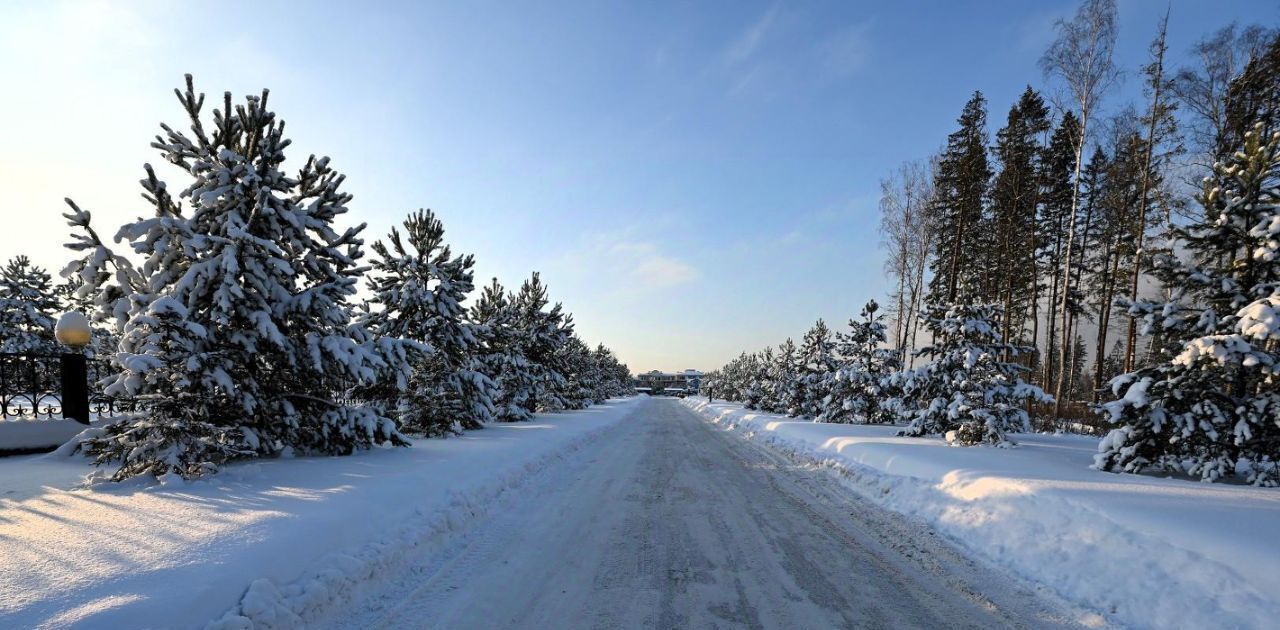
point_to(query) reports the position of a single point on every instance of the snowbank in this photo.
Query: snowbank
(21, 434)
(1142, 551)
(267, 544)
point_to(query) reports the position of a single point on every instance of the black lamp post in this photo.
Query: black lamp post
(74, 332)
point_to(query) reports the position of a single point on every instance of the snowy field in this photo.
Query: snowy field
(1142, 551)
(274, 543)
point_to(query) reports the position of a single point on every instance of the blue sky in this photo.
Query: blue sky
(693, 179)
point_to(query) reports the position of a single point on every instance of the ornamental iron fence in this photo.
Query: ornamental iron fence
(51, 386)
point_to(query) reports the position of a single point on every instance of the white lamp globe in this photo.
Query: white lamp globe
(73, 330)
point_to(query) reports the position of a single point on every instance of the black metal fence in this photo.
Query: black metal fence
(54, 386)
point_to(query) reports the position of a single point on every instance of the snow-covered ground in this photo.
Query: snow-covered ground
(31, 433)
(1140, 550)
(274, 543)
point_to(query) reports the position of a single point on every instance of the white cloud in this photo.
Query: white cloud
(647, 266)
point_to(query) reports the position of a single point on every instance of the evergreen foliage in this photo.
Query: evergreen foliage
(28, 308)
(858, 386)
(966, 387)
(263, 335)
(418, 288)
(1210, 406)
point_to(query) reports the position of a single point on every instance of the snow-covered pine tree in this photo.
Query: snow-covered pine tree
(966, 391)
(784, 372)
(1211, 406)
(615, 378)
(162, 359)
(541, 332)
(252, 258)
(856, 388)
(581, 374)
(418, 288)
(767, 386)
(755, 376)
(501, 356)
(28, 308)
(816, 361)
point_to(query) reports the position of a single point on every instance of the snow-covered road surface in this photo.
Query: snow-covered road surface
(669, 522)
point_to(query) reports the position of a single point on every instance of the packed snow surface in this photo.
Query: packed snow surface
(263, 544)
(667, 522)
(1143, 551)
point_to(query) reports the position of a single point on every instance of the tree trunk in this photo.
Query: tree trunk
(1140, 233)
(1066, 269)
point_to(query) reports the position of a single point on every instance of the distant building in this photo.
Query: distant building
(688, 380)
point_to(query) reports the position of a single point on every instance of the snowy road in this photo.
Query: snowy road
(668, 522)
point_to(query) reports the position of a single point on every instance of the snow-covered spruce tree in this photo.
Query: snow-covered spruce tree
(966, 388)
(540, 332)
(28, 307)
(857, 388)
(501, 356)
(1211, 405)
(418, 287)
(247, 281)
(816, 361)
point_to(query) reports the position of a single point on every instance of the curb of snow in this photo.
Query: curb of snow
(336, 577)
(1133, 577)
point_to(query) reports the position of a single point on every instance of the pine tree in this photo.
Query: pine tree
(961, 191)
(1015, 194)
(1210, 406)
(540, 332)
(754, 378)
(784, 371)
(816, 361)
(28, 308)
(858, 385)
(581, 375)
(1054, 216)
(252, 257)
(418, 288)
(615, 378)
(966, 388)
(1252, 99)
(501, 356)
(163, 352)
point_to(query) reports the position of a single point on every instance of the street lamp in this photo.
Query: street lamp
(74, 332)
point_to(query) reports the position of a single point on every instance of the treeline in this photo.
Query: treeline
(968, 389)
(234, 315)
(1069, 256)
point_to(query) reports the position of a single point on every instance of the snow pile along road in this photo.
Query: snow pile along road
(1141, 551)
(267, 544)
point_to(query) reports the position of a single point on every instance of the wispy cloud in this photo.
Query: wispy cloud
(626, 262)
(645, 265)
(749, 41)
